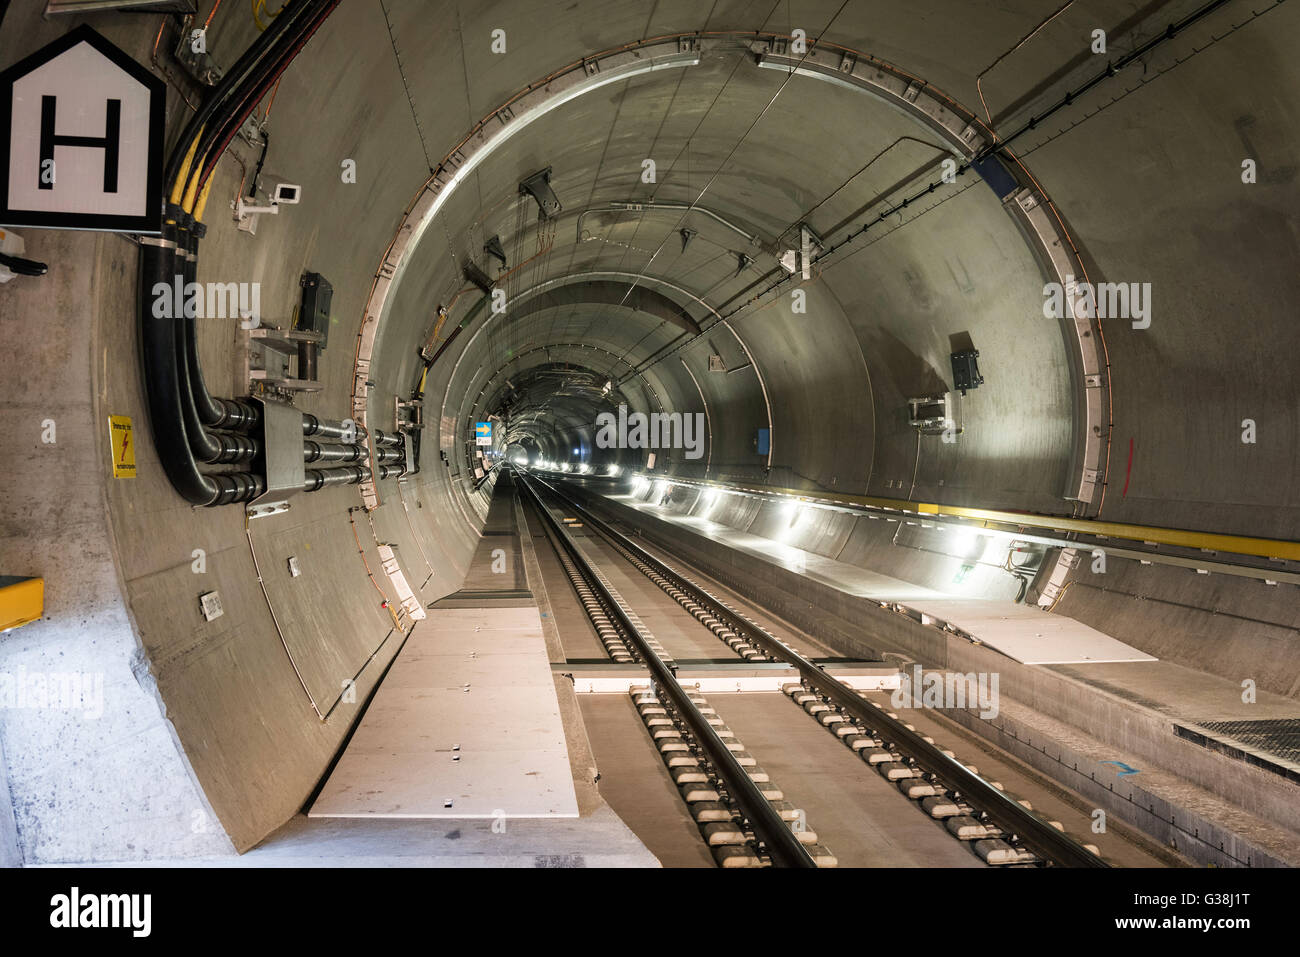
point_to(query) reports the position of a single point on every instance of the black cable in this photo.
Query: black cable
(257, 173)
(243, 67)
(1112, 68)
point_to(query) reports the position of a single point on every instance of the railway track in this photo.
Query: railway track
(742, 814)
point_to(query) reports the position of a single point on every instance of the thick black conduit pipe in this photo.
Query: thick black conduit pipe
(244, 67)
(226, 413)
(207, 447)
(158, 345)
(316, 479)
(172, 399)
(161, 337)
(315, 452)
(180, 407)
(213, 412)
(255, 88)
(312, 425)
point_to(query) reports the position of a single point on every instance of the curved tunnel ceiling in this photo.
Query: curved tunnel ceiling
(790, 244)
(641, 256)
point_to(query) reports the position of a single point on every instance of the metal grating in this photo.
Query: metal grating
(1270, 743)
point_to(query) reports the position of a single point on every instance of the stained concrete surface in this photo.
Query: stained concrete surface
(1150, 187)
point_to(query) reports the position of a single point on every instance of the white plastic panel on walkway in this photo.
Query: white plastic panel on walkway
(465, 725)
(1022, 632)
(1028, 634)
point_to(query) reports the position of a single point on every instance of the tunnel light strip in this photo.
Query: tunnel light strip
(959, 517)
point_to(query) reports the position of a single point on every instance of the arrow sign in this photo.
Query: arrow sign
(1120, 764)
(82, 148)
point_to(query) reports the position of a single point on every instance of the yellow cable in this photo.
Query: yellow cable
(191, 193)
(178, 188)
(203, 200)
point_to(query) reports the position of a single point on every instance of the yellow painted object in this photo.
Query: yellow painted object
(122, 444)
(1187, 538)
(21, 600)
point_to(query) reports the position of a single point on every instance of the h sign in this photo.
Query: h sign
(83, 139)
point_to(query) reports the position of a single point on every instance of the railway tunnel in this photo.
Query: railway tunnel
(591, 364)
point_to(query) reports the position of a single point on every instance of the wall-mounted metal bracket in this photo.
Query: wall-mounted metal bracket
(538, 186)
(266, 509)
(494, 249)
(935, 414)
(273, 357)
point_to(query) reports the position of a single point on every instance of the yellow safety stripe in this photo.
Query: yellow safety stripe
(1185, 538)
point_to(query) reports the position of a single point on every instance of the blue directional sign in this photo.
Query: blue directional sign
(483, 433)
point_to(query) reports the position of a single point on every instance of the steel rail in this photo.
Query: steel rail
(1038, 835)
(779, 842)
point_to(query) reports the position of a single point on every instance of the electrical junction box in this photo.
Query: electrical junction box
(314, 309)
(210, 605)
(966, 370)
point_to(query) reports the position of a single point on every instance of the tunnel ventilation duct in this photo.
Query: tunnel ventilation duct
(538, 186)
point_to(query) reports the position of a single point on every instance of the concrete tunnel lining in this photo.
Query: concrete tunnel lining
(881, 321)
(1043, 230)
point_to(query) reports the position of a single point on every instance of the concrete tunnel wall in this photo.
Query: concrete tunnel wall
(209, 719)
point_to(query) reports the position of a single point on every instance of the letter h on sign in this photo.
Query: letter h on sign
(82, 138)
(110, 142)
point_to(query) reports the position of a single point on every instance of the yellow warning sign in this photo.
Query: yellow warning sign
(123, 444)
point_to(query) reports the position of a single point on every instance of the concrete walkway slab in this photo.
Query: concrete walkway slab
(1030, 636)
(466, 725)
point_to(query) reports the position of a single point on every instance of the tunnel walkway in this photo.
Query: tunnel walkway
(462, 753)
